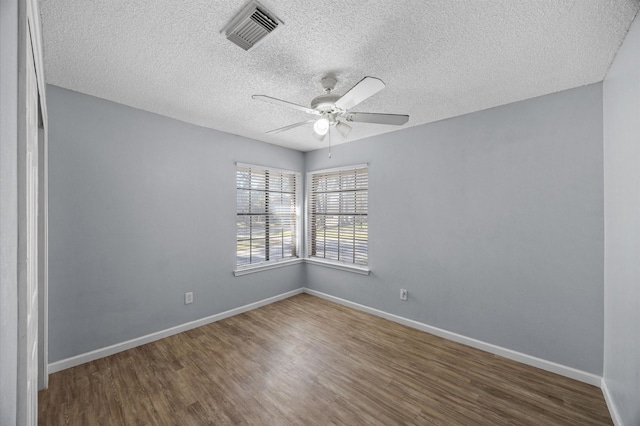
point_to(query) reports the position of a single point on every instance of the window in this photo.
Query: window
(338, 215)
(266, 215)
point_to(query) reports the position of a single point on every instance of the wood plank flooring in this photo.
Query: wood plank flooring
(307, 361)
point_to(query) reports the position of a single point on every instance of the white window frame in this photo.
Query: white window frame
(344, 266)
(272, 264)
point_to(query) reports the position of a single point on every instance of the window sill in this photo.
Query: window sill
(363, 270)
(266, 267)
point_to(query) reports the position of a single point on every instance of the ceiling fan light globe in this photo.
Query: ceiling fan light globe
(321, 126)
(319, 137)
(343, 129)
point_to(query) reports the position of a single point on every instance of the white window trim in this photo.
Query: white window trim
(343, 266)
(265, 266)
(275, 169)
(338, 169)
(302, 220)
(273, 264)
(356, 269)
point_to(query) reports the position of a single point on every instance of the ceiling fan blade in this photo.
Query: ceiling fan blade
(285, 103)
(290, 126)
(368, 117)
(366, 88)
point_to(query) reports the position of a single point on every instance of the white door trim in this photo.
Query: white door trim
(35, 32)
(27, 412)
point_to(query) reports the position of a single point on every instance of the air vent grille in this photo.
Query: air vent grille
(251, 25)
(264, 20)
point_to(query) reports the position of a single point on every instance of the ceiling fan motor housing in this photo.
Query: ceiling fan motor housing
(324, 103)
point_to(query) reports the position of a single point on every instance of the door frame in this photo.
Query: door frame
(35, 32)
(30, 39)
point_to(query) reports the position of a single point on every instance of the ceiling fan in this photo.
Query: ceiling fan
(331, 109)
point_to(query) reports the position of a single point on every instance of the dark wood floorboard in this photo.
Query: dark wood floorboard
(307, 361)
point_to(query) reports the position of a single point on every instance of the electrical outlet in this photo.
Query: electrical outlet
(188, 297)
(404, 294)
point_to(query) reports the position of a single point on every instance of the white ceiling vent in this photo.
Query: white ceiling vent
(251, 25)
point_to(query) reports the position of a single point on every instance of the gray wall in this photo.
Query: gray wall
(142, 209)
(494, 223)
(8, 210)
(622, 229)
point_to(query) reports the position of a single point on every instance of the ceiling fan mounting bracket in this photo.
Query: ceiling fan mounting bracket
(328, 84)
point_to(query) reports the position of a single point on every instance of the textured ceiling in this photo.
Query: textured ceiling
(438, 58)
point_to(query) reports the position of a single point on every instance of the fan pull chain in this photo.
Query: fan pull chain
(329, 142)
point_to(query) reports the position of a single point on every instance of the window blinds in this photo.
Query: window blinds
(338, 215)
(266, 219)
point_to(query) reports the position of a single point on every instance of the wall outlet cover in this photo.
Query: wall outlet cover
(404, 294)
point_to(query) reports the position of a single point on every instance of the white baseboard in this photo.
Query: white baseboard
(553, 367)
(119, 347)
(613, 410)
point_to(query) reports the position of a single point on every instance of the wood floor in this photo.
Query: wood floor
(307, 361)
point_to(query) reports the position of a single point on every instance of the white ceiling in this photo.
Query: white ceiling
(438, 58)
